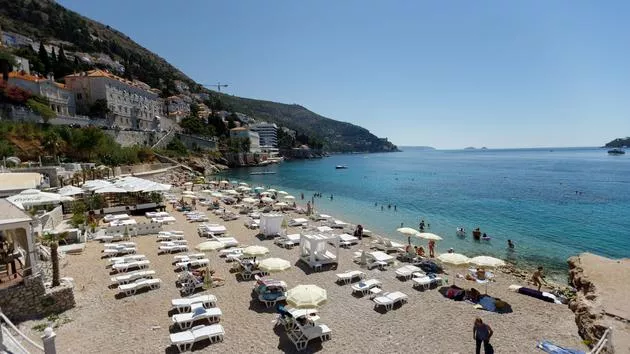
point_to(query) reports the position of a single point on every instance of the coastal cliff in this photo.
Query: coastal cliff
(601, 300)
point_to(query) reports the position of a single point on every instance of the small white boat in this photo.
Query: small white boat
(341, 167)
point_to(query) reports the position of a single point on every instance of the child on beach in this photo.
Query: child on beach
(537, 277)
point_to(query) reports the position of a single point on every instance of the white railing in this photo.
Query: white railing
(48, 338)
(604, 342)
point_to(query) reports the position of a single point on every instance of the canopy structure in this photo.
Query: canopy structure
(306, 296)
(271, 224)
(70, 190)
(129, 184)
(314, 249)
(95, 184)
(110, 189)
(33, 197)
(274, 265)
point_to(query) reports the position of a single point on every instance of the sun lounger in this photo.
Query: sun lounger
(195, 263)
(227, 241)
(211, 229)
(228, 251)
(174, 242)
(346, 240)
(198, 313)
(127, 259)
(164, 220)
(133, 276)
(124, 267)
(185, 340)
(298, 222)
(425, 282)
(252, 224)
(119, 251)
(288, 241)
(337, 224)
(386, 245)
(119, 245)
(111, 217)
(173, 248)
(168, 235)
(156, 214)
(131, 288)
(389, 299)
(188, 257)
(184, 304)
(270, 302)
(406, 272)
(364, 286)
(302, 336)
(348, 276)
(111, 238)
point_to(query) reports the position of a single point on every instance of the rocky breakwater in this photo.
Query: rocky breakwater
(602, 299)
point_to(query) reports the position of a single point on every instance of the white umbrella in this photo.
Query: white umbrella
(70, 190)
(231, 192)
(271, 190)
(428, 236)
(110, 189)
(213, 182)
(266, 200)
(209, 246)
(191, 196)
(453, 258)
(244, 189)
(254, 251)
(224, 182)
(408, 231)
(265, 193)
(274, 265)
(249, 200)
(259, 188)
(283, 192)
(487, 261)
(243, 184)
(207, 191)
(305, 296)
(282, 204)
(188, 192)
(216, 194)
(289, 197)
(188, 184)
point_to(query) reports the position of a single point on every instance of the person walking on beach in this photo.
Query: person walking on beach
(537, 277)
(431, 248)
(482, 334)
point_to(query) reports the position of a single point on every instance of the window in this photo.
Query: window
(79, 96)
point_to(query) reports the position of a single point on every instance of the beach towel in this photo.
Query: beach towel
(488, 303)
(534, 293)
(429, 267)
(549, 347)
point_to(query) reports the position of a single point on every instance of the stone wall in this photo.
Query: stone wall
(30, 299)
(51, 219)
(194, 142)
(133, 137)
(141, 168)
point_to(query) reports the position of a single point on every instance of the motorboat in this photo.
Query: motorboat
(461, 232)
(341, 167)
(616, 151)
(263, 173)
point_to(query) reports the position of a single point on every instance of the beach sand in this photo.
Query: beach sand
(428, 323)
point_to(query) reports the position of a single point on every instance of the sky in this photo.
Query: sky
(447, 74)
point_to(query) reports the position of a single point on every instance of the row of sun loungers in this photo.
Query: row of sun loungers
(133, 276)
(140, 283)
(191, 310)
(129, 283)
(170, 235)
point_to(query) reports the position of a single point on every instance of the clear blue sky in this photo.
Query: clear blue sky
(445, 74)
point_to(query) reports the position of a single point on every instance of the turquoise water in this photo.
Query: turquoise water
(527, 195)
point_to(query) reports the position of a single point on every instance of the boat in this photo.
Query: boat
(262, 173)
(341, 167)
(616, 151)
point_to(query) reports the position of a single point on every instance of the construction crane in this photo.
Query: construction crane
(218, 85)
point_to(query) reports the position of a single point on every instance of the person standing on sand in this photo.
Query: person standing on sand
(537, 277)
(482, 334)
(431, 248)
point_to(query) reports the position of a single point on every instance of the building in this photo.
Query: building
(22, 64)
(131, 104)
(61, 99)
(254, 138)
(15, 40)
(178, 107)
(203, 111)
(268, 133)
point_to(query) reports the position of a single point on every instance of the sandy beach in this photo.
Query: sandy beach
(429, 323)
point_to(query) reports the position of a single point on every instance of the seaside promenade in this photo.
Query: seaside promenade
(428, 323)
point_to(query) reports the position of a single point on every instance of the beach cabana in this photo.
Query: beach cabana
(314, 249)
(271, 224)
(70, 191)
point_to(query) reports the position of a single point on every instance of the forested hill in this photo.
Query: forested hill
(619, 142)
(47, 21)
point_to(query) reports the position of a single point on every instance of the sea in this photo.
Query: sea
(553, 203)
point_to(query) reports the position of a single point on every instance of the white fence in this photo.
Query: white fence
(9, 342)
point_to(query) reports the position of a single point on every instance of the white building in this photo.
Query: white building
(61, 99)
(268, 133)
(178, 107)
(131, 104)
(22, 64)
(254, 138)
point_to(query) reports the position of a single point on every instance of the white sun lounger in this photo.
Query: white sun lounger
(195, 263)
(346, 240)
(156, 214)
(298, 222)
(131, 288)
(425, 282)
(133, 276)
(389, 299)
(168, 236)
(186, 320)
(115, 217)
(288, 241)
(185, 340)
(127, 259)
(111, 238)
(348, 276)
(119, 245)
(407, 271)
(185, 304)
(228, 251)
(227, 241)
(173, 248)
(124, 267)
(188, 257)
(119, 251)
(174, 242)
(302, 336)
(364, 286)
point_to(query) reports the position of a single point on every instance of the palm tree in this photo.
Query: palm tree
(52, 240)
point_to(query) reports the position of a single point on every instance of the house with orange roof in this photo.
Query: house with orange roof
(132, 104)
(61, 100)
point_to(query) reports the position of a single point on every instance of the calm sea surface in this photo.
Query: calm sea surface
(553, 203)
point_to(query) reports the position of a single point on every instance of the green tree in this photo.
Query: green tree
(194, 110)
(99, 109)
(43, 58)
(177, 147)
(42, 109)
(52, 142)
(7, 62)
(52, 240)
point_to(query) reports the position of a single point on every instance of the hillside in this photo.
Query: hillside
(48, 21)
(618, 143)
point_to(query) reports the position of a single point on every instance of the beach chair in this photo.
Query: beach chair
(124, 267)
(131, 288)
(347, 277)
(389, 299)
(174, 248)
(188, 257)
(168, 236)
(425, 282)
(226, 241)
(407, 272)
(185, 340)
(133, 276)
(298, 222)
(195, 263)
(288, 241)
(303, 335)
(185, 304)
(271, 302)
(128, 258)
(198, 313)
(364, 286)
(174, 242)
(119, 245)
(119, 251)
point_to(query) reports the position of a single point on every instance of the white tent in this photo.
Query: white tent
(314, 249)
(31, 197)
(271, 224)
(110, 189)
(95, 184)
(70, 190)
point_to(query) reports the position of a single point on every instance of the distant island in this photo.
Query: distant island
(470, 148)
(618, 143)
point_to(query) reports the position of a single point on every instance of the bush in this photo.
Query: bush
(43, 110)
